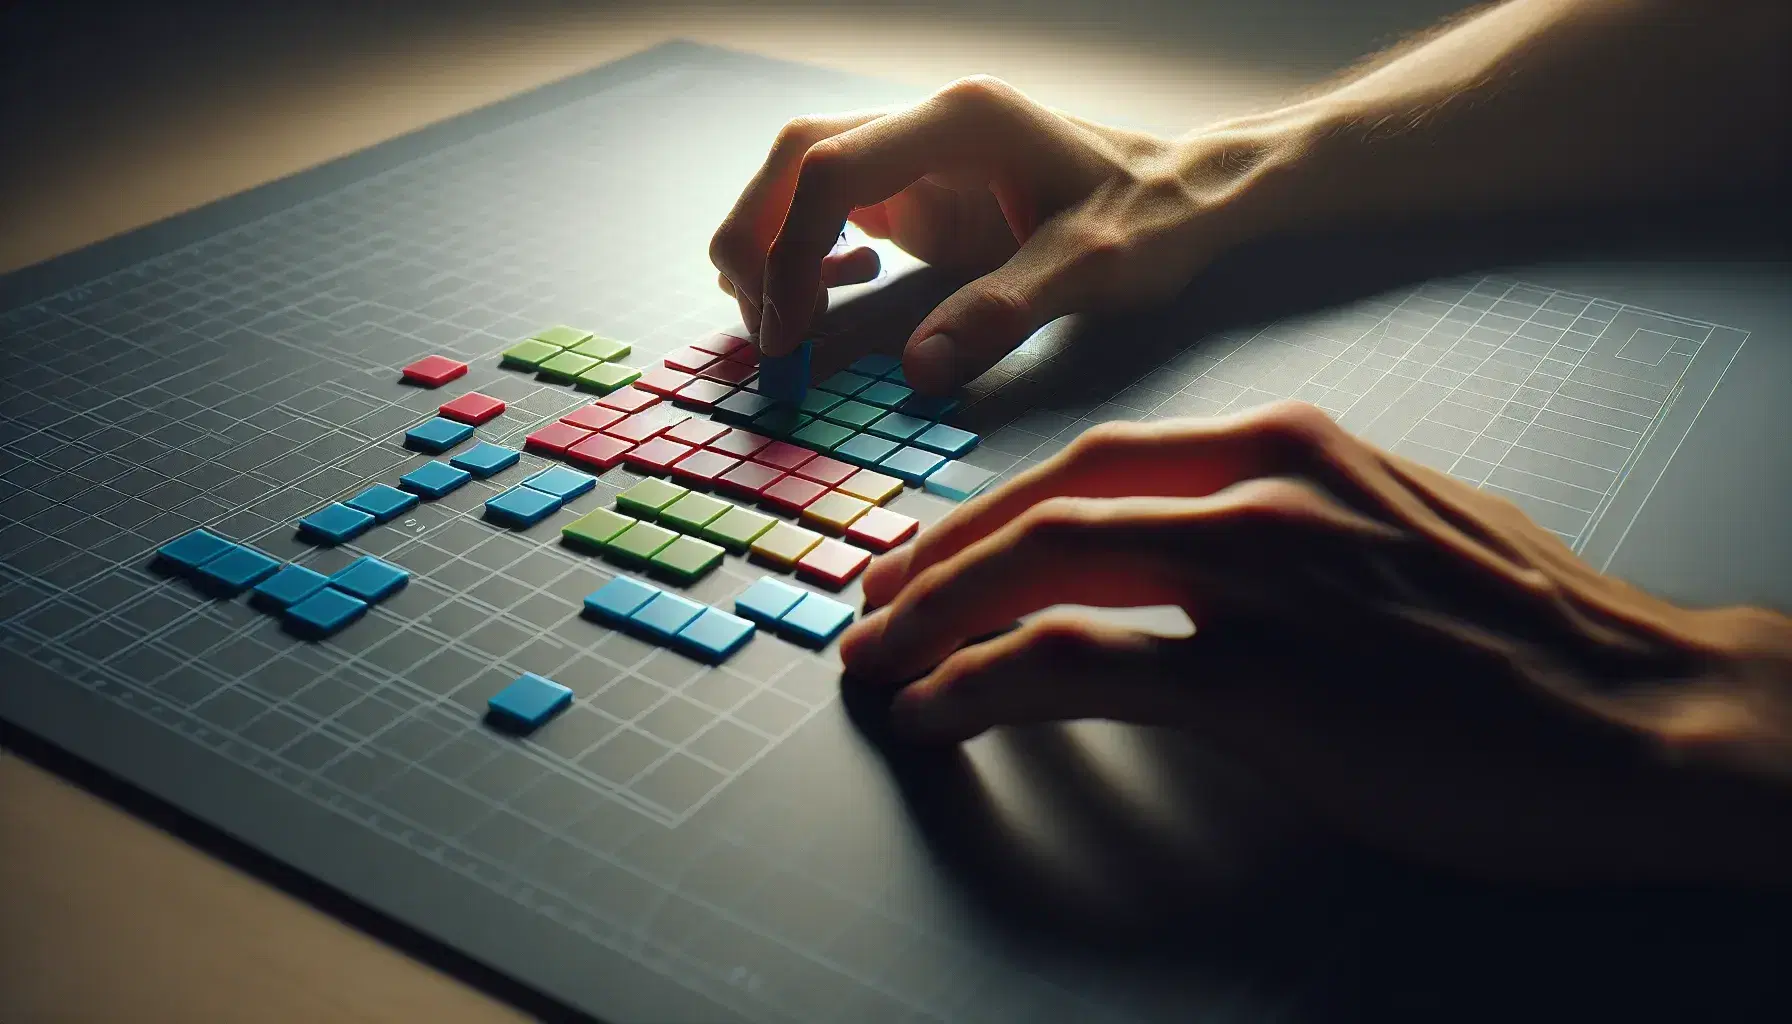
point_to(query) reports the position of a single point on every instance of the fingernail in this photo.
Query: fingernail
(768, 325)
(936, 357)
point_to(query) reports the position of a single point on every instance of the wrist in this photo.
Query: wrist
(1260, 176)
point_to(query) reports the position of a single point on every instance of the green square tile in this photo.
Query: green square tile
(649, 497)
(886, 393)
(640, 542)
(565, 367)
(563, 336)
(854, 414)
(822, 435)
(606, 349)
(899, 426)
(737, 528)
(691, 513)
(596, 529)
(845, 383)
(687, 558)
(783, 421)
(607, 377)
(816, 403)
(529, 354)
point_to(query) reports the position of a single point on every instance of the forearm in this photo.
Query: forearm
(1529, 105)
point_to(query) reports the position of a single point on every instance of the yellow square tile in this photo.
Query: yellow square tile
(835, 511)
(783, 544)
(873, 487)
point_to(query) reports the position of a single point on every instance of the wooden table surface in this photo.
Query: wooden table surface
(104, 917)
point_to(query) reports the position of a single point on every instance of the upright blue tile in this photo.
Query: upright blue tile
(786, 378)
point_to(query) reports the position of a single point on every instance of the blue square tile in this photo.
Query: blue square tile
(786, 378)
(485, 458)
(865, 449)
(292, 584)
(616, 600)
(816, 620)
(948, 441)
(875, 365)
(929, 407)
(436, 435)
(335, 523)
(235, 571)
(521, 507)
(664, 615)
(898, 426)
(845, 383)
(434, 479)
(323, 613)
(714, 635)
(370, 579)
(189, 551)
(766, 601)
(528, 702)
(383, 502)
(888, 394)
(563, 483)
(957, 480)
(911, 464)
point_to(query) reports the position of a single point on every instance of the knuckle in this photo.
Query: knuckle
(1274, 501)
(1299, 425)
(822, 166)
(1059, 643)
(797, 135)
(1057, 523)
(1106, 440)
(1001, 309)
(979, 93)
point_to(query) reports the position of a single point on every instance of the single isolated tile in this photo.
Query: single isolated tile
(816, 620)
(335, 523)
(556, 437)
(527, 355)
(383, 502)
(525, 704)
(472, 408)
(835, 511)
(629, 400)
(646, 499)
(783, 544)
(323, 613)
(607, 377)
(607, 349)
(565, 367)
(786, 378)
(703, 466)
(561, 482)
(948, 441)
(370, 579)
(596, 529)
(235, 571)
(866, 449)
(737, 528)
(912, 464)
(290, 585)
(593, 417)
(664, 615)
(436, 435)
(766, 601)
(714, 635)
(616, 600)
(434, 371)
(833, 563)
(691, 513)
(657, 454)
(191, 550)
(639, 543)
(563, 336)
(687, 559)
(484, 459)
(749, 479)
(433, 479)
(600, 451)
(743, 407)
(521, 507)
(792, 494)
(958, 481)
(872, 486)
(881, 529)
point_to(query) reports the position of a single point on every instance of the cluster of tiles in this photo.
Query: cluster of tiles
(571, 356)
(310, 603)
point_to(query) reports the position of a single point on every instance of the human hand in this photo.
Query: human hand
(1418, 659)
(1058, 215)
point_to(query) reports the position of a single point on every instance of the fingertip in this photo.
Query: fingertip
(932, 364)
(859, 644)
(854, 266)
(884, 577)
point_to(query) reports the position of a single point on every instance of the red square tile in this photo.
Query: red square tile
(739, 442)
(721, 343)
(833, 563)
(657, 454)
(663, 380)
(689, 359)
(783, 456)
(703, 466)
(593, 417)
(472, 407)
(555, 438)
(748, 355)
(697, 431)
(643, 425)
(629, 399)
(600, 451)
(792, 494)
(701, 393)
(434, 371)
(728, 372)
(749, 479)
(824, 470)
(881, 529)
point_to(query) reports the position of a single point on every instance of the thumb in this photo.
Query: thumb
(985, 320)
